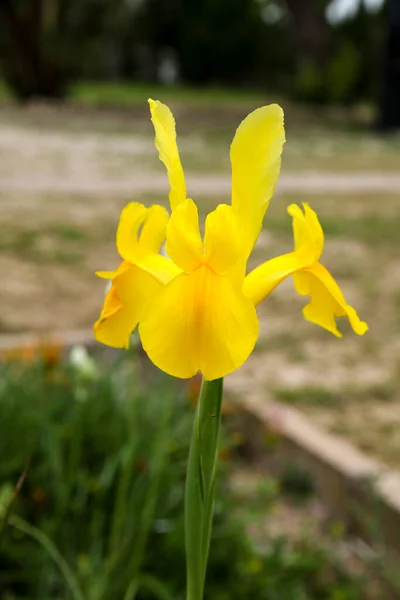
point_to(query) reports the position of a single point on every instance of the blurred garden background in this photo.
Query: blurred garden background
(76, 144)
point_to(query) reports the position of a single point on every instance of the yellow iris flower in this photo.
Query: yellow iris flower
(196, 307)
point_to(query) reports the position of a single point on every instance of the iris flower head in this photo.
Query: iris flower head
(196, 307)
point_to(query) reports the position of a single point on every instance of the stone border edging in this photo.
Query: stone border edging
(359, 490)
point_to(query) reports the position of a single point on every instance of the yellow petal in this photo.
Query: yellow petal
(136, 289)
(124, 305)
(131, 219)
(184, 244)
(114, 326)
(256, 159)
(263, 280)
(112, 274)
(199, 321)
(327, 300)
(307, 231)
(165, 141)
(161, 267)
(221, 239)
(140, 231)
(153, 232)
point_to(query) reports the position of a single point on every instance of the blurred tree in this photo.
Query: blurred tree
(358, 41)
(335, 61)
(287, 45)
(311, 32)
(45, 43)
(390, 100)
(213, 40)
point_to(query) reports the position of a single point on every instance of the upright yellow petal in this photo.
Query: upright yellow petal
(199, 321)
(184, 244)
(154, 228)
(141, 231)
(221, 239)
(256, 159)
(307, 231)
(132, 218)
(326, 300)
(165, 141)
(260, 282)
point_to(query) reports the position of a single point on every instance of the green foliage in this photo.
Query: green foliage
(343, 72)
(45, 44)
(309, 82)
(100, 515)
(297, 483)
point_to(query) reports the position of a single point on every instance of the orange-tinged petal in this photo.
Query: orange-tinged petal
(124, 305)
(221, 239)
(307, 231)
(199, 321)
(165, 141)
(256, 159)
(260, 282)
(114, 326)
(184, 244)
(326, 300)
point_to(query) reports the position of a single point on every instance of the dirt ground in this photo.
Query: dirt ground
(65, 175)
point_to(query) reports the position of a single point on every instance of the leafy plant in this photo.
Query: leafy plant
(100, 514)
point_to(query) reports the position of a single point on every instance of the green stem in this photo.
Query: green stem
(200, 485)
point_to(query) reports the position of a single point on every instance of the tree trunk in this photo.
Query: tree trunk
(28, 68)
(390, 101)
(310, 31)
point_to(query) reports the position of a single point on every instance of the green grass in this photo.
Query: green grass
(307, 395)
(367, 229)
(55, 243)
(5, 93)
(132, 94)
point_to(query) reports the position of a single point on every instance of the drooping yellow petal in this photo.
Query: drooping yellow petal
(184, 244)
(221, 239)
(131, 219)
(114, 325)
(113, 274)
(153, 232)
(123, 306)
(136, 288)
(256, 159)
(264, 279)
(165, 141)
(199, 321)
(307, 231)
(326, 300)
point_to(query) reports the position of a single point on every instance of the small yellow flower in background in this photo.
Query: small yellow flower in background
(196, 308)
